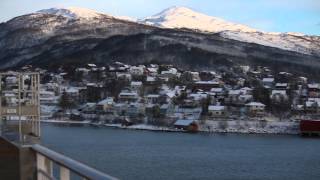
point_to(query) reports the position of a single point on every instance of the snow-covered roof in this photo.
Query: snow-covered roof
(314, 86)
(282, 92)
(153, 70)
(246, 89)
(281, 84)
(234, 92)
(216, 108)
(150, 79)
(108, 100)
(312, 103)
(186, 122)
(152, 95)
(255, 104)
(72, 90)
(207, 82)
(216, 90)
(268, 80)
(136, 83)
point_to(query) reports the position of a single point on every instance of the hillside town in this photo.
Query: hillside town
(236, 99)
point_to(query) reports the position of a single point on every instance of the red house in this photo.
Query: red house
(310, 127)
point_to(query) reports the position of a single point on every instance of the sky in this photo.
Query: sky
(267, 15)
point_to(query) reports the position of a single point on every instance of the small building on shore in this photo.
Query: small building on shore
(186, 124)
(310, 127)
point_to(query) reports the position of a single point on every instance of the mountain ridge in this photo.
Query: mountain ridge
(42, 39)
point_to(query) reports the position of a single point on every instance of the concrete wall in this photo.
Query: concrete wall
(16, 162)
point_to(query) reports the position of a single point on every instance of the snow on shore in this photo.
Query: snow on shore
(258, 127)
(254, 127)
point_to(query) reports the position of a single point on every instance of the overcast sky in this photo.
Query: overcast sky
(268, 15)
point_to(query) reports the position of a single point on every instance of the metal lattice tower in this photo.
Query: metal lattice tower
(20, 103)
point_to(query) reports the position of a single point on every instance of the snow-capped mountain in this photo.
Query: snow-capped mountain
(182, 17)
(72, 12)
(57, 36)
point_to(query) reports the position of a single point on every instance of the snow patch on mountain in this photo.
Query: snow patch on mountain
(72, 12)
(278, 40)
(182, 17)
(126, 18)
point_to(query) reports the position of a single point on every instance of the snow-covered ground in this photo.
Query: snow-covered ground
(257, 126)
(210, 126)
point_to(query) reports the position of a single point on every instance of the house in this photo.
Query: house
(268, 82)
(313, 105)
(188, 111)
(256, 108)
(151, 80)
(195, 76)
(244, 69)
(127, 96)
(198, 96)
(105, 104)
(152, 98)
(188, 125)
(170, 72)
(72, 92)
(118, 67)
(217, 94)
(83, 71)
(135, 109)
(244, 98)
(206, 85)
(95, 92)
(217, 111)
(279, 95)
(246, 90)
(48, 98)
(152, 71)
(136, 86)
(137, 70)
(233, 96)
(11, 80)
(167, 109)
(207, 75)
(281, 86)
(124, 75)
(314, 90)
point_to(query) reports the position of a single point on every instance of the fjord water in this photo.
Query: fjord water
(129, 154)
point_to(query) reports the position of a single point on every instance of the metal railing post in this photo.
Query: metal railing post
(64, 173)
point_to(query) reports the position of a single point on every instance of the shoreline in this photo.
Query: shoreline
(144, 127)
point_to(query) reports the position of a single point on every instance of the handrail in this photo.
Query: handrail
(75, 166)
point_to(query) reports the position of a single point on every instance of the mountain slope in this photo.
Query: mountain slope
(182, 17)
(72, 12)
(50, 39)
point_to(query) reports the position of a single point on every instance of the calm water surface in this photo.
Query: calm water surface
(129, 154)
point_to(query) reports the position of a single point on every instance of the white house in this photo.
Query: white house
(217, 111)
(137, 70)
(256, 108)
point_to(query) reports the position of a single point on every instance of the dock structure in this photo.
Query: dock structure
(21, 155)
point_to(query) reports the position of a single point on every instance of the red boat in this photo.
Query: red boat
(310, 127)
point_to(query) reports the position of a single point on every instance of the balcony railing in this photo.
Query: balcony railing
(46, 157)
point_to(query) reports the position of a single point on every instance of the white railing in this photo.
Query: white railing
(46, 157)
